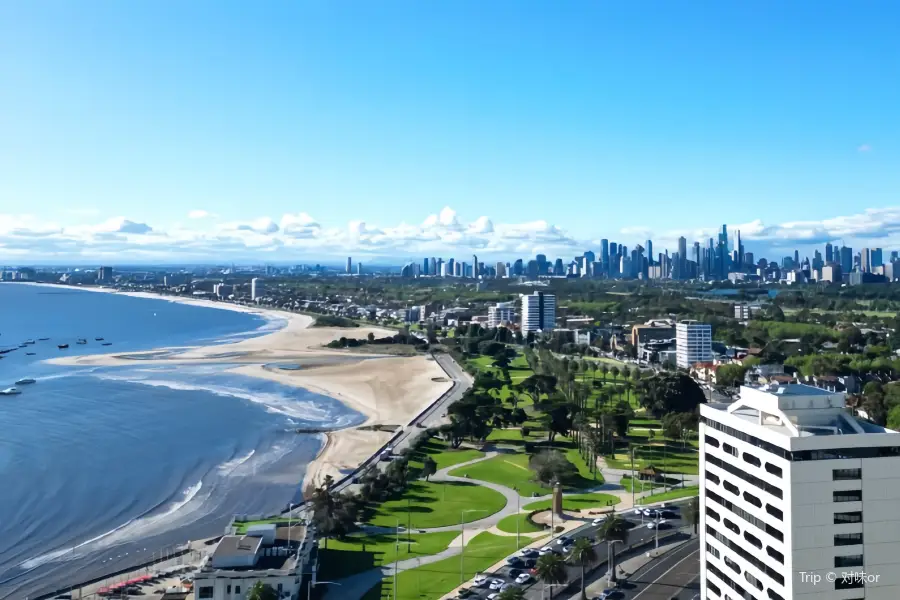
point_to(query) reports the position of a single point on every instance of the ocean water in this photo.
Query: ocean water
(102, 467)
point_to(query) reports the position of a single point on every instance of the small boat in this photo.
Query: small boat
(26, 381)
(43, 339)
(63, 346)
(29, 354)
(98, 339)
(81, 341)
(106, 344)
(10, 392)
(29, 342)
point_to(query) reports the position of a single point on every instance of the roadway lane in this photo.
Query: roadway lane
(675, 575)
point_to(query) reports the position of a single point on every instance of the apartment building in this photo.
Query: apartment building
(538, 312)
(503, 313)
(799, 499)
(693, 343)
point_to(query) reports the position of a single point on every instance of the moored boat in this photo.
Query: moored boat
(26, 381)
(98, 339)
(10, 392)
(63, 346)
(81, 341)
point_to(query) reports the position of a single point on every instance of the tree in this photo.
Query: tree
(730, 375)
(691, 513)
(512, 593)
(583, 554)
(370, 337)
(550, 466)
(551, 568)
(873, 403)
(613, 529)
(262, 591)
(669, 392)
(538, 385)
(429, 467)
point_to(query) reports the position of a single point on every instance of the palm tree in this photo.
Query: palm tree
(613, 529)
(604, 368)
(691, 513)
(551, 568)
(583, 554)
(429, 467)
(513, 593)
(615, 373)
(261, 591)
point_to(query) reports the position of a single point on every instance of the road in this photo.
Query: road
(638, 533)
(674, 576)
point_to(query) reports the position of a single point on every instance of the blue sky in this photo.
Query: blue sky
(561, 123)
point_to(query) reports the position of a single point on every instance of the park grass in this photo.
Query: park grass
(576, 502)
(443, 454)
(584, 470)
(438, 578)
(686, 492)
(641, 486)
(511, 470)
(508, 524)
(673, 460)
(358, 552)
(438, 504)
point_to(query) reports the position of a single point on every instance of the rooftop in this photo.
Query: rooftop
(797, 411)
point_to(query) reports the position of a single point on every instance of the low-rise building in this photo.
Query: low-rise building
(278, 556)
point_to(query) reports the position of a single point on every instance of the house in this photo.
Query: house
(705, 371)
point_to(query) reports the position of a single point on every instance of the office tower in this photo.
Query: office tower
(696, 256)
(256, 288)
(501, 314)
(105, 274)
(542, 264)
(795, 489)
(625, 267)
(558, 267)
(846, 259)
(817, 261)
(829, 253)
(693, 343)
(831, 273)
(739, 263)
(451, 266)
(359, 268)
(682, 257)
(349, 265)
(425, 266)
(649, 251)
(865, 260)
(613, 251)
(538, 312)
(518, 268)
(604, 254)
(748, 259)
(432, 267)
(590, 256)
(532, 269)
(475, 272)
(796, 257)
(876, 258)
(501, 270)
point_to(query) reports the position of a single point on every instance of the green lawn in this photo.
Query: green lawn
(673, 459)
(437, 504)
(583, 468)
(510, 470)
(443, 454)
(508, 524)
(576, 502)
(241, 526)
(358, 552)
(645, 486)
(437, 579)
(692, 490)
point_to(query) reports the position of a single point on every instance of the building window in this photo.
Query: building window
(847, 496)
(847, 517)
(737, 510)
(749, 458)
(237, 589)
(712, 550)
(773, 595)
(752, 539)
(731, 488)
(845, 474)
(728, 580)
(730, 449)
(775, 512)
(848, 539)
(711, 441)
(732, 565)
(752, 480)
(205, 592)
(775, 554)
(848, 583)
(713, 587)
(752, 500)
(712, 476)
(773, 469)
(853, 560)
(753, 580)
(732, 527)
(712, 514)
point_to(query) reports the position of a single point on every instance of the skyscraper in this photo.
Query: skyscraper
(846, 259)
(693, 343)
(829, 253)
(876, 257)
(538, 312)
(604, 254)
(650, 252)
(349, 265)
(475, 272)
(682, 258)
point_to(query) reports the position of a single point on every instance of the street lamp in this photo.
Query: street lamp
(310, 584)
(462, 542)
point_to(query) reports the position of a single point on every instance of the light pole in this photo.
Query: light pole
(633, 446)
(516, 490)
(462, 543)
(610, 560)
(397, 556)
(309, 586)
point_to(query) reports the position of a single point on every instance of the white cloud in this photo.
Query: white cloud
(300, 236)
(198, 214)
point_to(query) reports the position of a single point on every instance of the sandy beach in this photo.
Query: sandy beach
(388, 390)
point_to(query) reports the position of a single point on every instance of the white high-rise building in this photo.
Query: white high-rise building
(538, 312)
(256, 288)
(501, 314)
(693, 343)
(798, 499)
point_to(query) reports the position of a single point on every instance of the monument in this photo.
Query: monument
(557, 503)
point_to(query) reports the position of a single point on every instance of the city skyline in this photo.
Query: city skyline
(288, 131)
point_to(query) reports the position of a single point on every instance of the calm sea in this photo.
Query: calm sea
(102, 467)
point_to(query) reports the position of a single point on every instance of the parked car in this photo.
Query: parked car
(496, 584)
(529, 553)
(480, 579)
(523, 578)
(514, 561)
(563, 540)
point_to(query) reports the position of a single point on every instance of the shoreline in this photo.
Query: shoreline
(385, 389)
